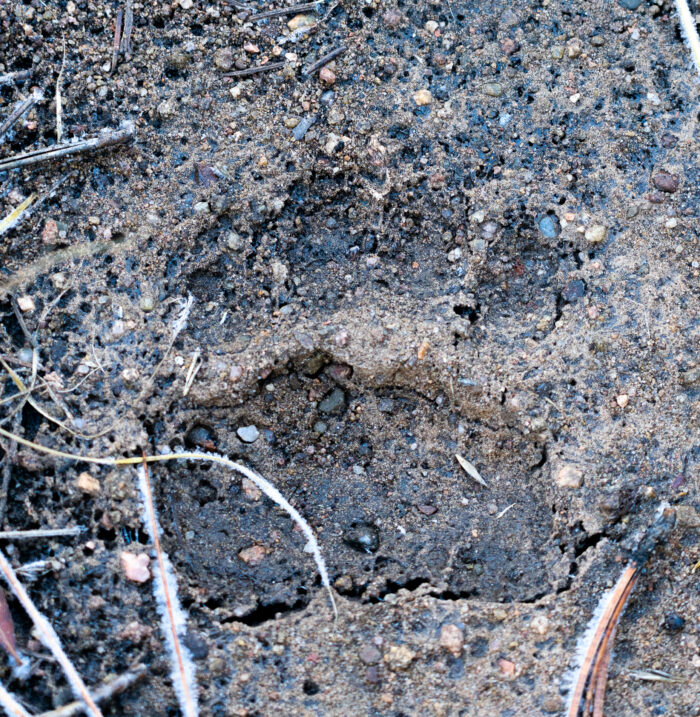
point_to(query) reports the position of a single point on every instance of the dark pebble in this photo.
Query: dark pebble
(668, 141)
(674, 623)
(269, 436)
(363, 537)
(656, 198)
(370, 655)
(666, 182)
(196, 645)
(340, 371)
(372, 675)
(573, 291)
(333, 403)
(200, 437)
(386, 405)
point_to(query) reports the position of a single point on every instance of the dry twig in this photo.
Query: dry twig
(279, 12)
(106, 138)
(48, 636)
(19, 76)
(101, 694)
(23, 107)
(325, 60)
(255, 70)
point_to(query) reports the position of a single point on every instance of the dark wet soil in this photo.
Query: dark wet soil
(504, 269)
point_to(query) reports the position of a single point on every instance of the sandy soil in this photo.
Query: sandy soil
(484, 243)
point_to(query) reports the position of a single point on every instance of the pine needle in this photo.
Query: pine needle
(10, 705)
(689, 31)
(48, 637)
(592, 674)
(173, 618)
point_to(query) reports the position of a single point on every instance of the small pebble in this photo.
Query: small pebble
(493, 89)
(452, 639)
(622, 400)
(250, 48)
(392, 19)
(326, 75)
(136, 566)
(370, 655)
(574, 47)
(596, 233)
(422, 97)
(341, 338)
(549, 226)
(666, 182)
(569, 477)
(147, 303)
(248, 434)
(399, 658)
(253, 555)
(557, 52)
(223, 59)
(301, 21)
(26, 303)
(88, 484)
(334, 402)
(49, 234)
(673, 623)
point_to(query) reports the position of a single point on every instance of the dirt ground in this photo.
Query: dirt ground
(477, 234)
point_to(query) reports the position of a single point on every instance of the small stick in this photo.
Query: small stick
(10, 704)
(125, 45)
(21, 109)
(106, 138)
(48, 636)
(41, 533)
(255, 70)
(101, 694)
(238, 5)
(285, 11)
(117, 39)
(325, 60)
(18, 76)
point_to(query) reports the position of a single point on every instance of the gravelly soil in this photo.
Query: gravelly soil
(501, 273)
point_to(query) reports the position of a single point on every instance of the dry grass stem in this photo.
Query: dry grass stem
(48, 637)
(173, 618)
(689, 31)
(10, 705)
(101, 694)
(40, 533)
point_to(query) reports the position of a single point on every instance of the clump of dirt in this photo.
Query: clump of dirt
(476, 235)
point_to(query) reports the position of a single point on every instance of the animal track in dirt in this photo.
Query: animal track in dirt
(374, 471)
